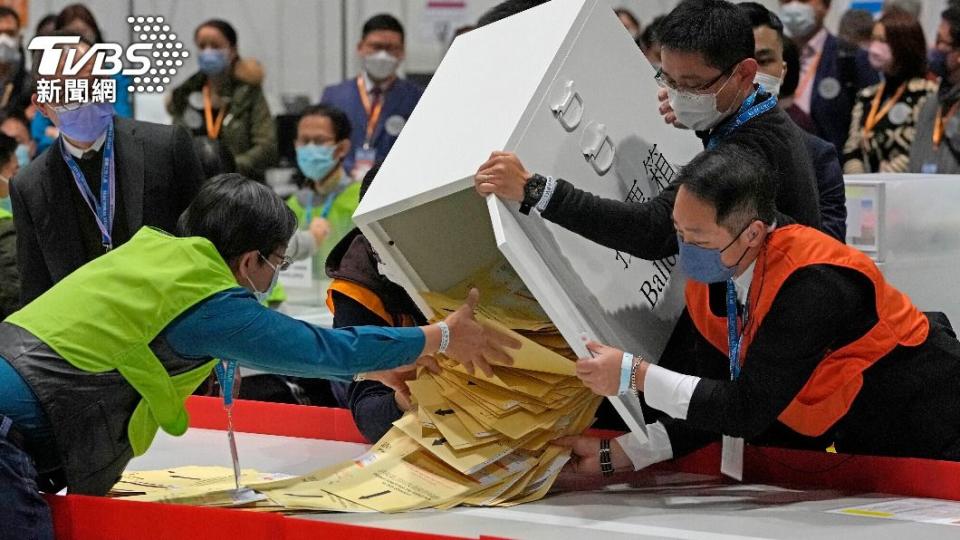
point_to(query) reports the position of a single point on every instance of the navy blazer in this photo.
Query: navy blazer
(832, 192)
(400, 100)
(849, 67)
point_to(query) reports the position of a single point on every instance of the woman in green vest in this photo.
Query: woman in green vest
(92, 368)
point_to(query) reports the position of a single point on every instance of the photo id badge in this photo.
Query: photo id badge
(731, 460)
(364, 159)
(929, 168)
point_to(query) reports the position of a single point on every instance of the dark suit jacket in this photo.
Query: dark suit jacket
(158, 174)
(399, 100)
(849, 67)
(832, 192)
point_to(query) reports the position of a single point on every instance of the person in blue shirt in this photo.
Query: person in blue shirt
(377, 101)
(93, 367)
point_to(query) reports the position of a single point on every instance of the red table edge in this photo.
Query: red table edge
(87, 518)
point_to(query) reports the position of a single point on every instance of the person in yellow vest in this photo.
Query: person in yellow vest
(328, 196)
(9, 275)
(791, 338)
(90, 370)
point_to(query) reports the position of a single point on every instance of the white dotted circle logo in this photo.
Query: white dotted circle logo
(167, 55)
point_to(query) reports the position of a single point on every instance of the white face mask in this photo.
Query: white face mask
(799, 19)
(262, 296)
(698, 111)
(380, 65)
(769, 83)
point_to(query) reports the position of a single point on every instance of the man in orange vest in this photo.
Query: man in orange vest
(790, 338)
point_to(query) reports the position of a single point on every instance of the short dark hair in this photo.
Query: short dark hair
(716, 29)
(791, 80)
(505, 9)
(223, 27)
(8, 148)
(238, 215)
(339, 119)
(651, 34)
(736, 183)
(907, 42)
(50, 19)
(759, 16)
(856, 26)
(80, 12)
(952, 17)
(16, 115)
(10, 12)
(383, 21)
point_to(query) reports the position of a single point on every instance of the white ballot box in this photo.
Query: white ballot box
(565, 87)
(909, 225)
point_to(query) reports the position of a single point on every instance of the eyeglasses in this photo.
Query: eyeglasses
(664, 82)
(285, 262)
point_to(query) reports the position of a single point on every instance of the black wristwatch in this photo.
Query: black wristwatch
(532, 193)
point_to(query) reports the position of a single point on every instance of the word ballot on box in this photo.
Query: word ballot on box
(564, 87)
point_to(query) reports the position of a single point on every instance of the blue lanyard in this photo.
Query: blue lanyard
(325, 211)
(104, 210)
(748, 111)
(734, 336)
(225, 371)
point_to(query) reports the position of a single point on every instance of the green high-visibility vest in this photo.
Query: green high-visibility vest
(103, 316)
(340, 218)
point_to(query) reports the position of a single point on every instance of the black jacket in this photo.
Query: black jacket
(158, 174)
(833, 192)
(909, 404)
(646, 230)
(371, 403)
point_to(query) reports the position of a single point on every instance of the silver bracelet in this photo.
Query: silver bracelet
(444, 337)
(360, 377)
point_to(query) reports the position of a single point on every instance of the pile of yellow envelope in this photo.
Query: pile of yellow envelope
(471, 440)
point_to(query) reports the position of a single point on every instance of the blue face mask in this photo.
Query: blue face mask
(86, 123)
(315, 161)
(23, 155)
(212, 61)
(704, 264)
(938, 63)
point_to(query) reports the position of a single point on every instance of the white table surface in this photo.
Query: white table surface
(680, 512)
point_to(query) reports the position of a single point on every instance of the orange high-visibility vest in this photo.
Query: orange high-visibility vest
(368, 299)
(834, 384)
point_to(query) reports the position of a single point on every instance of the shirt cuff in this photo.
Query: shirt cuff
(642, 453)
(548, 190)
(669, 391)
